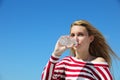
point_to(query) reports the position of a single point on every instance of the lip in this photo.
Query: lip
(77, 45)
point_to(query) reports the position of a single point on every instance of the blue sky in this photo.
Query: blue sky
(29, 30)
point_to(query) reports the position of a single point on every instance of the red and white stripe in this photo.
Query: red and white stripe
(70, 68)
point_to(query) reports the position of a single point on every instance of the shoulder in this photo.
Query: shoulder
(64, 60)
(99, 59)
(67, 58)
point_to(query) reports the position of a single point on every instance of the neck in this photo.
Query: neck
(84, 55)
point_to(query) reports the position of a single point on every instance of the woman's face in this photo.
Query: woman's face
(80, 34)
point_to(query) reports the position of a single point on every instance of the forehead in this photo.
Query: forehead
(78, 29)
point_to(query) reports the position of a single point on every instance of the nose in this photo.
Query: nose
(76, 38)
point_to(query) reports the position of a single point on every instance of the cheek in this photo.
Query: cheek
(83, 40)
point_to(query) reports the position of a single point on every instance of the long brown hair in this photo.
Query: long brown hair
(99, 47)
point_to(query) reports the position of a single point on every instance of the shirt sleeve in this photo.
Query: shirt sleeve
(104, 73)
(53, 70)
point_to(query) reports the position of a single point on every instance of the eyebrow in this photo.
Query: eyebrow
(83, 24)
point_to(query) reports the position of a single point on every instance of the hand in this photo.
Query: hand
(59, 49)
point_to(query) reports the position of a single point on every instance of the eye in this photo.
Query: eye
(80, 34)
(72, 34)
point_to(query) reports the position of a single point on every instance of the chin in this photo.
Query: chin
(76, 47)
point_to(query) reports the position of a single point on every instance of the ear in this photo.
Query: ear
(91, 38)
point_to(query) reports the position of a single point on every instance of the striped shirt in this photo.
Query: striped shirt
(70, 68)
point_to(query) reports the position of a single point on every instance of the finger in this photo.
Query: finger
(70, 46)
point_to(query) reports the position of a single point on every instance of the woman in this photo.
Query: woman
(91, 60)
